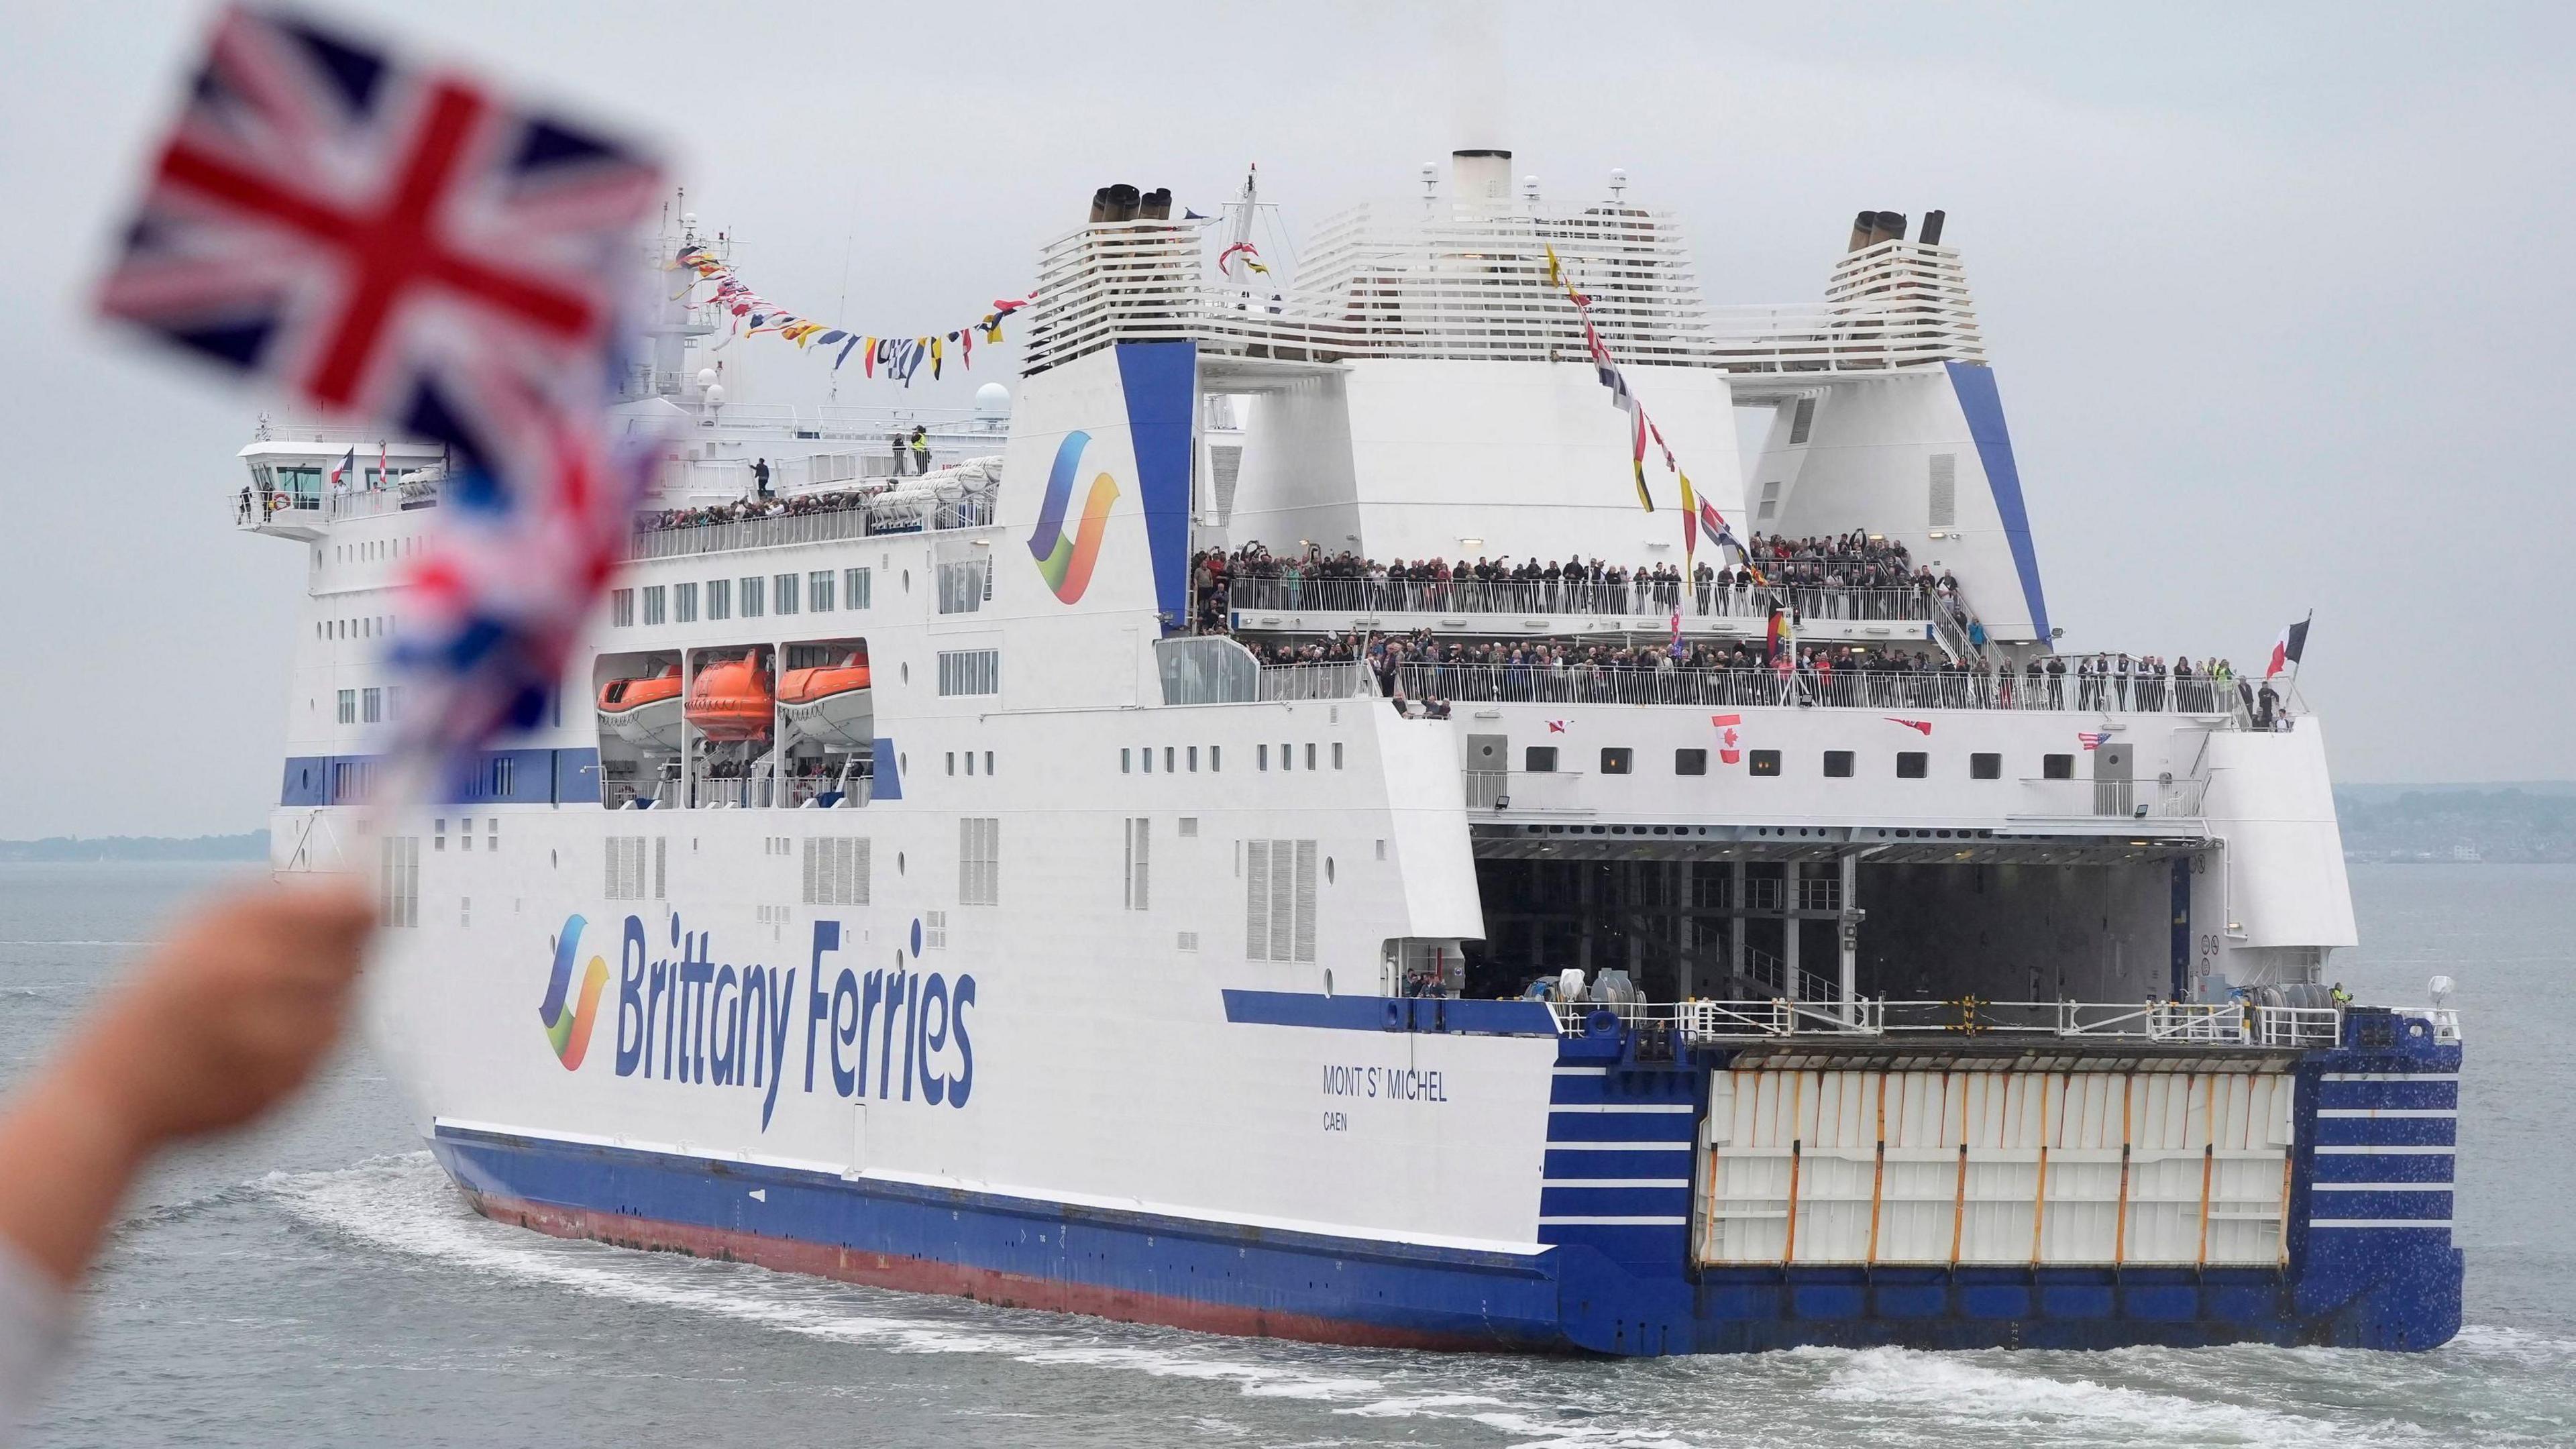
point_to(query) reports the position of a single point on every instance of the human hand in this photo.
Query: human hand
(218, 1024)
(228, 1016)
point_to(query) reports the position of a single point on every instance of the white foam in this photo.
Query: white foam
(1960, 1389)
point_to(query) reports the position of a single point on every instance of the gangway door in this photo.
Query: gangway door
(1994, 1166)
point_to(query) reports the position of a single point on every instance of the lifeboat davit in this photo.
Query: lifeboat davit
(645, 710)
(830, 703)
(731, 700)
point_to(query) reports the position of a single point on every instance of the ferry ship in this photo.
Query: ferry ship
(995, 871)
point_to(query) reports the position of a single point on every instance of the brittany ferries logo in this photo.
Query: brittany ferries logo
(1065, 560)
(897, 1034)
(568, 1026)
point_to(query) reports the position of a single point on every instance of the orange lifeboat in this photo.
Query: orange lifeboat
(731, 699)
(644, 710)
(830, 703)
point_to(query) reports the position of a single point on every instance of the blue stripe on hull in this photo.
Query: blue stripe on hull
(1605, 1288)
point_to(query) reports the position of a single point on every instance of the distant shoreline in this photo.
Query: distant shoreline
(250, 845)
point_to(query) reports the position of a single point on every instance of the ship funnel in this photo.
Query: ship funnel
(1122, 203)
(1156, 205)
(1932, 227)
(1481, 178)
(1862, 226)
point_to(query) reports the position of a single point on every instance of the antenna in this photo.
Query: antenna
(1618, 183)
(1430, 182)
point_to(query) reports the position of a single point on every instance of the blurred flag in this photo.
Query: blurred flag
(398, 244)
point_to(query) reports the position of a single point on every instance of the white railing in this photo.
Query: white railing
(853, 517)
(1636, 597)
(1343, 679)
(1881, 689)
(2298, 1026)
(2185, 1023)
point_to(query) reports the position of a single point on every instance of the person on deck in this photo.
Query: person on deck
(920, 451)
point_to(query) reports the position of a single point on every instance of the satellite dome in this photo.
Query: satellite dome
(992, 400)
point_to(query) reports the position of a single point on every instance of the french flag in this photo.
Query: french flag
(2287, 649)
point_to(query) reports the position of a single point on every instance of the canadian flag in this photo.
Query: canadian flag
(1730, 737)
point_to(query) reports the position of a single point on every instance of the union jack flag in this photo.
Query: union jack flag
(399, 244)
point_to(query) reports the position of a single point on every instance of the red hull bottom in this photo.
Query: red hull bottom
(922, 1275)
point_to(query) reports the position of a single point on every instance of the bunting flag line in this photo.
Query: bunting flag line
(1698, 514)
(899, 358)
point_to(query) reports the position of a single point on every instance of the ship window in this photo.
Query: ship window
(1279, 900)
(1127, 762)
(988, 762)
(1838, 764)
(836, 871)
(654, 612)
(465, 833)
(1216, 758)
(1170, 760)
(348, 706)
(970, 762)
(1912, 764)
(1985, 767)
(1287, 757)
(952, 762)
(1261, 757)
(1194, 759)
(400, 890)
(1138, 836)
(856, 588)
(621, 608)
(1189, 827)
(1802, 420)
(1690, 762)
(2057, 767)
(625, 861)
(492, 835)
(753, 606)
(1770, 502)
(1618, 760)
(1148, 753)
(1337, 754)
(1763, 762)
(818, 591)
(1310, 754)
(719, 598)
(684, 603)
(963, 586)
(979, 861)
(438, 833)
(371, 706)
(784, 587)
(970, 671)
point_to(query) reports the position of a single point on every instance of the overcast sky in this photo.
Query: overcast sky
(2279, 298)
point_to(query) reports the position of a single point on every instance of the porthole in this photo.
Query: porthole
(906, 671)
(1328, 870)
(898, 862)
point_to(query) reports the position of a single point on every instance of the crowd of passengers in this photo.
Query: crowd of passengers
(1426, 668)
(1831, 574)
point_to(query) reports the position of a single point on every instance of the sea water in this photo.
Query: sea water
(318, 1282)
